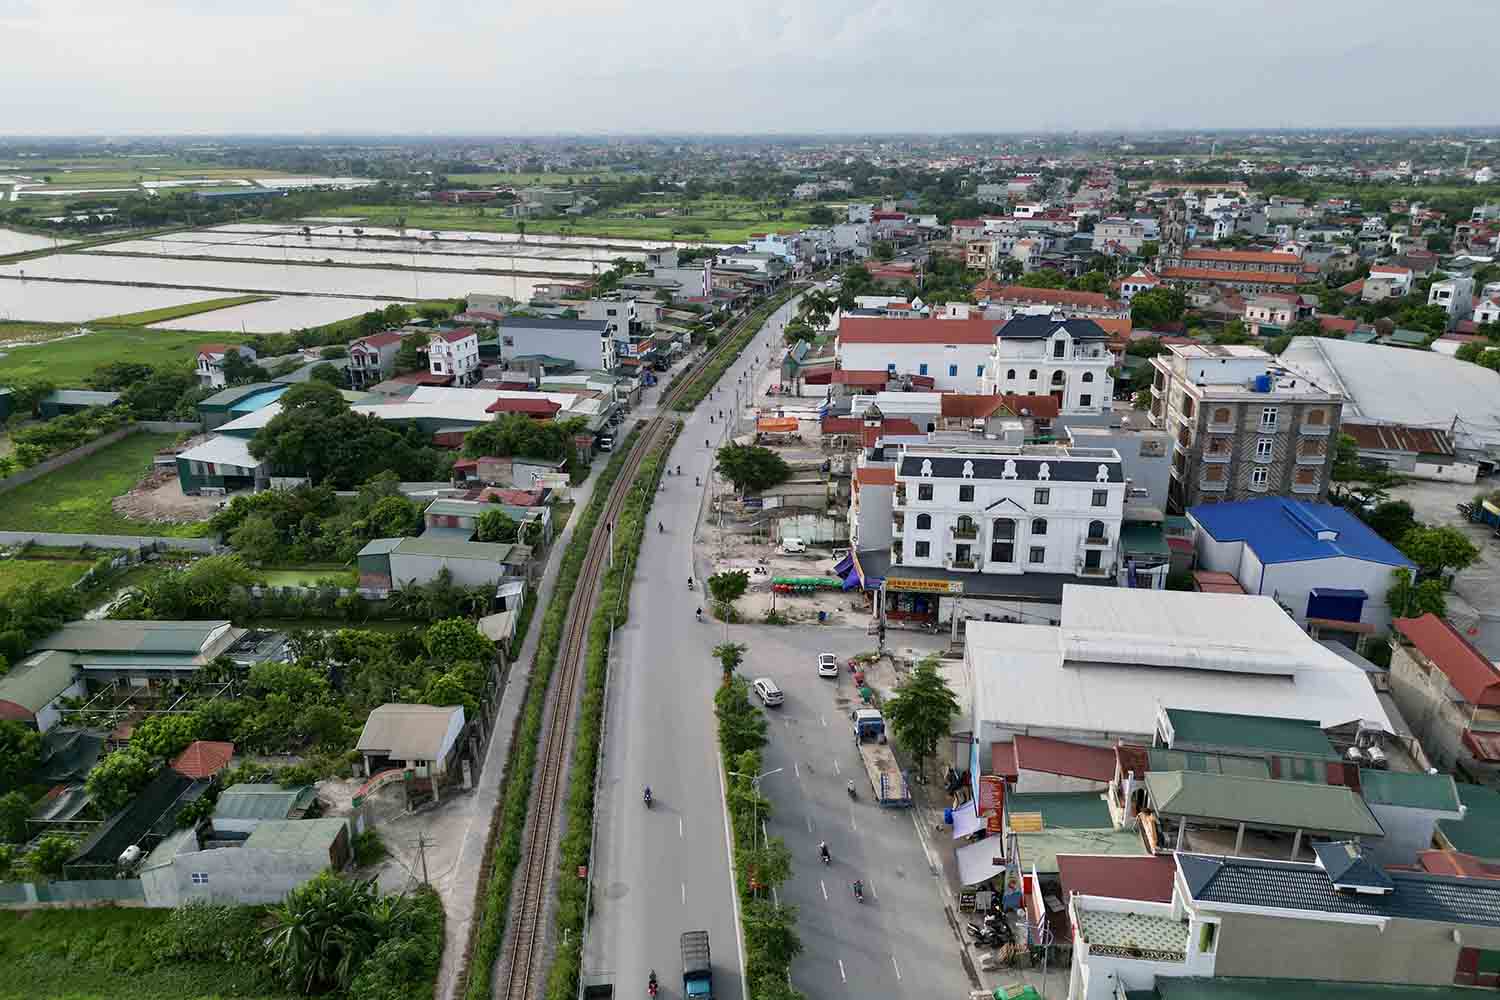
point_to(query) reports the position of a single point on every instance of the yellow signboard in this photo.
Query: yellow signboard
(911, 583)
(1027, 822)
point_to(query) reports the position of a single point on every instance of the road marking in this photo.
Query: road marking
(870, 884)
(823, 719)
(809, 824)
(824, 886)
(841, 971)
(684, 894)
(897, 967)
(852, 825)
(739, 930)
(796, 769)
(836, 769)
(679, 827)
(775, 898)
(764, 836)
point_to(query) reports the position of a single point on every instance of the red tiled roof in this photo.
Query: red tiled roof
(966, 223)
(860, 376)
(422, 378)
(1035, 407)
(1354, 287)
(876, 475)
(1209, 274)
(516, 498)
(972, 406)
(203, 759)
(1390, 269)
(843, 425)
(871, 330)
(1118, 328)
(1241, 256)
(540, 406)
(1399, 437)
(1466, 668)
(1485, 746)
(1456, 863)
(1148, 879)
(377, 340)
(1072, 760)
(454, 336)
(1337, 324)
(1054, 297)
(1003, 760)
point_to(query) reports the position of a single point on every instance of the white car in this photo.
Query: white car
(770, 695)
(828, 665)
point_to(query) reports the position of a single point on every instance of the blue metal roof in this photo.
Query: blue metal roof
(259, 400)
(1280, 529)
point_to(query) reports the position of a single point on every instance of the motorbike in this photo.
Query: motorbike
(651, 984)
(850, 789)
(690, 583)
(823, 853)
(992, 933)
(647, 797)
(859, 891)
(700, 614)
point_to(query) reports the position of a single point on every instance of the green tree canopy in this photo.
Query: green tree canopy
(921, 710)
(497, 526)
(117, 777)
(20, 752)
(1409, 600)
(751, 467)
(1155, 307)
(1435, 548)
(455, 640)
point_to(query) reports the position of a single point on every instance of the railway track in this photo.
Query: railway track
(522, 958)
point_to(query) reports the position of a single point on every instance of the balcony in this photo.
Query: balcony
(1267, 428)
(1304, 488)
(967, 533)
(898, 527)
(968, 564)
(1260, 487)
(1157, 390)
(1311, 457)
(899, 499)
(896, 559)
(1216, 427)
(1218, 457)
(1095, 540)
(1134, 930)
(1213, 485)
(1314, 430)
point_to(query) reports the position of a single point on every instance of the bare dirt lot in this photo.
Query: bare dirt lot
(158, 498)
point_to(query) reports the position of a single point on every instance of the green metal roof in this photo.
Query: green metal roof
(38, 679)
(1261, 802)
(1478, 833)
(1244, 988)
(1414, 791)
(225, 398)
(127, 636)
(1258, 732)
(262, 801)
(313, 836)
(1041, 849)
(1076, 810)
(379, 546)
(1209, 763)
(1143, 538)
(499, 552)
(459, 508)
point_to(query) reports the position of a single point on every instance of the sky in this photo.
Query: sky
(503, 67)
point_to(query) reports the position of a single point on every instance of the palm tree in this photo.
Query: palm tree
(323, 931)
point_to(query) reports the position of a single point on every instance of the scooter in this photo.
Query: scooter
(647, 797)
(850, 789)
(859, 891)
(824, 855)
(651, 985)
(690, 583)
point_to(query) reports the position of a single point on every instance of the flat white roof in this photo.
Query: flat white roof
(222, 449)
(1122, 653)
(436, 402)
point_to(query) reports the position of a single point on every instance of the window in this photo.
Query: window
(1268, 418)
(1222, 416)
(1088, 377)
(1263, 448)
(1305, 477)
(924, 522)
(200, 878)
(966, 494)
(1096, 531)
(1086, 400)
(1058, 378)
(1010, 373)
(1315, 418)
(924, 491)
(1259, 476)
(891, 368)
(1208, 936)
(1100, 499)
(1038, 554)
(952, 370)
(921, 369)
(1003, 540)
(1058, 348)
(1092, 559)
(979, 371)
(922, 550)
(1041, 497)
(1032, 376)
(1039, 526)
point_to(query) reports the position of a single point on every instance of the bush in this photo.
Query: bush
(368, 848)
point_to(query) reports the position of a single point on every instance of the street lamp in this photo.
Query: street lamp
(755, 780)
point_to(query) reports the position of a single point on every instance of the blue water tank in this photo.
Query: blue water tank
(1262, 383)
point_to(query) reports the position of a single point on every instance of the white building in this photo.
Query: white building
(210, 367)
(1488, 309)
(1455, 295)
(1386, 281)
(1068, 359)
(1141, 281)
(456, 353)
(952, 352)
(1007, 509)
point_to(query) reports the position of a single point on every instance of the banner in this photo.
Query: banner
(925, 586)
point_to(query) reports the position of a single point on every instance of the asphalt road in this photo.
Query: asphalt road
(898, 942)
(662, 871)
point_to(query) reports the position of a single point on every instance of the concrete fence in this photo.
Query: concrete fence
(84, 892)
(139, 543)
(169, 426)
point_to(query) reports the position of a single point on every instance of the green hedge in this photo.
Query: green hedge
(614, 599)
(509, 821)
(708, 376)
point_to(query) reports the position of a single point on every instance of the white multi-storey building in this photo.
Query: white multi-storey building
(952, 352)
(1008, 509)
(456, 353)
(1068, 359)
(1455, 295)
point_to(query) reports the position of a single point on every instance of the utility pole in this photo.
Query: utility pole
(421, 845)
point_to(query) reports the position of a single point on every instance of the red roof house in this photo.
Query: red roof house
(203, 759)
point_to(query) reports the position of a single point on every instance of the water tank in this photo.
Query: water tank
(130, 856)
(1262, 383)
(1355, 755)
(1378, 758)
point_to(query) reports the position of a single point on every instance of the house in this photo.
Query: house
(1325, 566)
(243, 807)
(1068, 359)
(1455, 295)
(1488, 309)
(33, 691)
(387, 564)
(61, 402)
(1142, 280)
(236, 401)
(1242, 270)
(1408, 806)
(454, 353)
(1080, 305)
(373, 359)
(460, 518)
(425, 740)
(145, 656)
(210, 362)
(952, 352)
(1417, 452)
(1386, 281)
(1450, 694)
(203, 759)
(963, 230)
(981, 254)
(1241, 427)
(1118, 654)
(1268, 315)
(585, 343)
(222, 464)
(275, 858)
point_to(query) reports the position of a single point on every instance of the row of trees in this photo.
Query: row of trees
(311, 524)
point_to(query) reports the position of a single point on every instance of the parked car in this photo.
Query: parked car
(768, 692)
(828, 665)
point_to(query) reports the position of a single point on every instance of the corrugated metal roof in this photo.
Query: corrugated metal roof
(1280, 529)
(1252, 732)
(1478, 833)
(309, 836)
(36, 680)
(499, 552)
(222, 449)
(1261, 802)
(134, 636)
(1066, 810)
(261, 801)
(1436, 792)
(407, 732)
(1242, 988)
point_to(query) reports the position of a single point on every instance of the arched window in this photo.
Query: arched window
(1010, 374)
(965, 527)
(924, 522)
(1039, 526)
(1088, 376)
(1096, 530)
(1058, 378)
(1003, 540)
(1032, 376)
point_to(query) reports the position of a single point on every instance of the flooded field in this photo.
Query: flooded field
(290, 312)
(60, 302)
(14, 242)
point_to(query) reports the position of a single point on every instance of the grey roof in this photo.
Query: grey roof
(235, 393)
(411, 732)
(594, 326)
(260, 801)
(1291, 885)
(82, 397)
(1037, 327)
(36, 680)
(1348, 868)
(500, 552)
(1062, 470)
(379, 546)
(132, 636)
(316, 836)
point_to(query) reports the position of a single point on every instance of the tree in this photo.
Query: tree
(820, 215)
(1157, 307)
(816, 307)
(165, 735)
(324, 372)
(730, 655)
(1145, 347)
(1392, 519)
(257, 538)
(15, 809)
(322, 932)
(409, 356)
(1436, 548)
(497, 526)
(1408, 600)
(50, 854)
(20, 752)
(1150, 249)
(238, 369)
(394, 517)
(1046, 277)
(117, 777)
(883, 250)
(456, 640)
(751, 467)
(728, 587)
(771, 931)
(742, 726)
(1233, 333)
(920, 712)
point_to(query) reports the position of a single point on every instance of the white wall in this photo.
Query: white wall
(968, 359)
(872, 521)
(1291, 582)
(51, 715)
(245, 875)
(1455, 472)
(1094, 977)
(466, 572)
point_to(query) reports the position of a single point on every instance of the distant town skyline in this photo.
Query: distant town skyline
(825, 66)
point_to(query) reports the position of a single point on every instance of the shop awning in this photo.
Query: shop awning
(966, 821)
(978, 863)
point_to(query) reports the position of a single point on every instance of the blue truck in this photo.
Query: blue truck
(697, 970)
(886, 777)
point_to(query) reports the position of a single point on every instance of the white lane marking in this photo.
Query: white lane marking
(764, 836)
(684, 894)
(897, 967)
(739, 931)
(836, 769)
(809, 824)
(775, 898)
(842, 976)
(870, 884)
(796, 769)
(823, 719)
(680, 832)
(852, 825)
(824, 886)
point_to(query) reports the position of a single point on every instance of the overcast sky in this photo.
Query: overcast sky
(543, 66)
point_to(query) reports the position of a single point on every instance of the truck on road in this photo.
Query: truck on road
(697, 971)
(886, 778)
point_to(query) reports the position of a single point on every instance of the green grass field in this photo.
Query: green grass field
(178, 312)
(19, 574)
(742, 221)
(68, 362)
(308, 576)
(76, 497)
(105, 953)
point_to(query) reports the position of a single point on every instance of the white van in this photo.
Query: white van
(792, 546)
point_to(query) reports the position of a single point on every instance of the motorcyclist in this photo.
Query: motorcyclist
(659, 528)
(700, 614)
(859, 889)
(679, 470)
(651, 983)
(823, 849)
(646, 796)
(850, 786)
(690, 583)
(695, 481)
